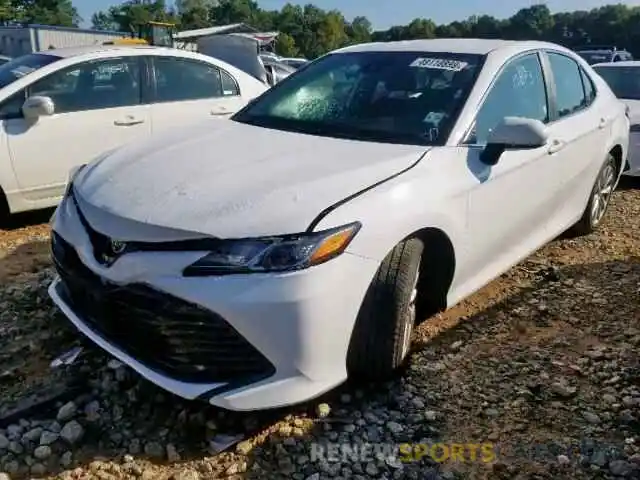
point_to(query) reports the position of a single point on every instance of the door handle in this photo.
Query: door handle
(555, 147)
(128, 122)
(220, 112)
(603, 123)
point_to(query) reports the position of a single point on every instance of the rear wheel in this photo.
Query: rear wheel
(5, 213)
(599, 199)
(381, 337)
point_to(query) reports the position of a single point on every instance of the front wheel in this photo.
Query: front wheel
(599, 198)
(382, 334)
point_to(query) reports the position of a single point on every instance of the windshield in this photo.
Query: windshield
(390, 97)
(623, 81)
(24, 65)
(595, 57)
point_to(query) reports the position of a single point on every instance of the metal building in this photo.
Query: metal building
(188, 39)
(19, 40)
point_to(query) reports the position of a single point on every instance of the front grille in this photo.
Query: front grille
(169, 335)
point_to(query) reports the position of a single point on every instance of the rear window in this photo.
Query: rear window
(623, 81)
(24, 65)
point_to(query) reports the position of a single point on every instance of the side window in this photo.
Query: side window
(93, 85)
(570, 96)
(519, 91)
(589, 88)
(229, 85)
(179, 79)
(12, 106)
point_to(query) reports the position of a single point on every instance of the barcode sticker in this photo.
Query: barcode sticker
(439, 63)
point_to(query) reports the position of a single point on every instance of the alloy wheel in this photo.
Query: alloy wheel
(410, 318)
(602, 193)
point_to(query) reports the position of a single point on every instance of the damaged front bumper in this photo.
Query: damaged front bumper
(241, 342)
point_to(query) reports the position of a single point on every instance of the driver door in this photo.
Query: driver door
(98, 107)
(510, 202)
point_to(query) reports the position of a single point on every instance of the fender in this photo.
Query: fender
(316, 221)
(426, 196)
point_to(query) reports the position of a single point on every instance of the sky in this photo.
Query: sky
(385, 13)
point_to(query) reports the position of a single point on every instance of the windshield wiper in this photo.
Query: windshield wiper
(336, 130)
(385, 136)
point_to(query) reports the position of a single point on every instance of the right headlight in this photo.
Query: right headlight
(274, 254)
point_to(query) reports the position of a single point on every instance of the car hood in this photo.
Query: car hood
(229, 180)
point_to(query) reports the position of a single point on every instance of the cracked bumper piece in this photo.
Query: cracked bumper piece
(240, 342)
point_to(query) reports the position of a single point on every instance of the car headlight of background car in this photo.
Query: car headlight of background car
(274, 254)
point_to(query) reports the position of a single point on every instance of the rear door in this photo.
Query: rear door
(187, 91)
(581, 124)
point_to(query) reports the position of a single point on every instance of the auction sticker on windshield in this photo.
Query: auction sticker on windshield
(439, 63)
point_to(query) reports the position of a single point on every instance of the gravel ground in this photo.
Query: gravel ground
(537, 376)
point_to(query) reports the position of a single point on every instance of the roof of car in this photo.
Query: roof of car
(75, 51)
(478, 46)
(602, 50)
(628, 63)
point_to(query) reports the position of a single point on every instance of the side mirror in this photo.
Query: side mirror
(37, 106)
(515, 133)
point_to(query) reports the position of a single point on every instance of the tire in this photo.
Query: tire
(5, 213)
(598, 198)
(382, 334)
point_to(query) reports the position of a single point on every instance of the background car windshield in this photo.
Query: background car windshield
(624, 81)
(595, 57)
(24, 65)
(390, 97)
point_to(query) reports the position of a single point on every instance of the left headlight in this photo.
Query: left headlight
(73, 173)
(274, 254)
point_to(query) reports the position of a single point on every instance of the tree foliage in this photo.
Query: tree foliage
(47, 12)
(311, 31)
(131, 14)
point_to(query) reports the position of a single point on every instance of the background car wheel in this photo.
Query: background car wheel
(382, 334)
(599, 199)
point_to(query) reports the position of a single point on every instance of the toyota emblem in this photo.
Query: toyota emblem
(117, 247)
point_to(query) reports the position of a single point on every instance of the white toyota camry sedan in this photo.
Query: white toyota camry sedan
(262, 263)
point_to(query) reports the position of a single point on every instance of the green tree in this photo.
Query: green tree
(130, 15)
(286, 46)
(311, 31)
(194, 13)
(359, 30)
(47, 12)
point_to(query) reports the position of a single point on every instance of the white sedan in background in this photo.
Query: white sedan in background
(624, 80)
(60, 107)
(261, 263)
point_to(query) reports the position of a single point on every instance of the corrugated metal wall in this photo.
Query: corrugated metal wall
(62, 38)
(15, 41)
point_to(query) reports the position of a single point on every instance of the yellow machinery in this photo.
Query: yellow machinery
(151, 33)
